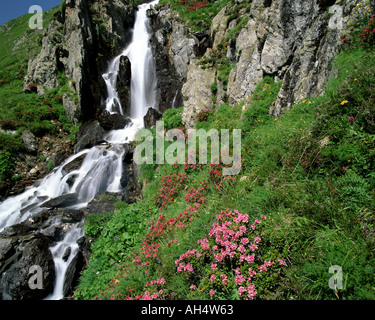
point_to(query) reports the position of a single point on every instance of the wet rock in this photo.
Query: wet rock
(112, 121)
(66, 254)
(74, 165)
(72, 216)
(101, 204)
(17, 230)
(15, 270)
(89, 135)
(124, 84)
(151, 117)
(54, 233)
(63, 201)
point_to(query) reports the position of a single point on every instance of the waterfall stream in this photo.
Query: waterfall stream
(101, 169)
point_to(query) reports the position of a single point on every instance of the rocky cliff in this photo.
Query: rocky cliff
(293, 41)
(80, 43)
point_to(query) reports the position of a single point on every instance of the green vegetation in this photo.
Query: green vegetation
(18, 110)
(307, 179)
(197, 15)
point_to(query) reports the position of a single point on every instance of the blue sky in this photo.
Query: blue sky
(11, 9)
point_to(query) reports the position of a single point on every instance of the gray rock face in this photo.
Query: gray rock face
(197, 92)
(28, 251)
(124, 84)
(248, 71)
(29, 142)
(151, 117)
(89, 135)
(290, 40)
(84, 29)
(173, 48)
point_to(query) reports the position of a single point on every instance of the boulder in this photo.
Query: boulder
(74, 164)
(90, 134)
(151, 117)
(112, 121)
(63, 201)
(29, 142)
(16, 271)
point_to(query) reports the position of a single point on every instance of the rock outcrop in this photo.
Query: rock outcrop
(197, 92)
(20, 250)
(79, 43)
(293, 41)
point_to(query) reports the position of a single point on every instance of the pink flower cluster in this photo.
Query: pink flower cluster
(169, 187)
(196, 194)
(231, 242)
(368, 35)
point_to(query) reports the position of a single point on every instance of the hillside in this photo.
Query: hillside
(308, 172)
(42, 116)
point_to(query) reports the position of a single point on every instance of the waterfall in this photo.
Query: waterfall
(101, 169)
(143, 82)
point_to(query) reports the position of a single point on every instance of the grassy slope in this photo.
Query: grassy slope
(20, 111)
(310, 172)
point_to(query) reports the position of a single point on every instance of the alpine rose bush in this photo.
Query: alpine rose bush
(232, 259)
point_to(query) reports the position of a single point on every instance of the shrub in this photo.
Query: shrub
(6, 164)
(230, 261)
(173, 118)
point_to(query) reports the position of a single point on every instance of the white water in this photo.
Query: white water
(61, 265)
(101, 169)
(143, 84)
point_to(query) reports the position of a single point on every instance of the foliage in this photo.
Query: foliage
(6, 164)
(173, 118)
(308, 173)
(18, 110)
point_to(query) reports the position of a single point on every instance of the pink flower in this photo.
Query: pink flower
(262, 268)
(250, 259)
(281, 262)
(245, 241)
(241, 290)
(268, 263)
(241, 248)
(193, 287)
(263, 217)
(257, 240)
(252, 272)
(351, 118)
(213, 266)
(239, 279)
(212, 278)
(212, 292)
(251, 291)
(253, 247)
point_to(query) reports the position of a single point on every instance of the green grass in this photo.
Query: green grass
(309, 171)
(199, 20)
(18, 110)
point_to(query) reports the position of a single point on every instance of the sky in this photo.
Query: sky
(12, 9)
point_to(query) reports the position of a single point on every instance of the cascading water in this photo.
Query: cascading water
(143, 83)
(101, 169)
